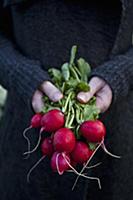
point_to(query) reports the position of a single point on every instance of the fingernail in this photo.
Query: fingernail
(81, 98)
(57, 96)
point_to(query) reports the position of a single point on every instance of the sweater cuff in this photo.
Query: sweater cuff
(24, 75)
(116, 73)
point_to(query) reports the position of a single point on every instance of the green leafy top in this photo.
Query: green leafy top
(71, 79)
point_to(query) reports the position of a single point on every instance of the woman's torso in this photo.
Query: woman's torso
(47, 29)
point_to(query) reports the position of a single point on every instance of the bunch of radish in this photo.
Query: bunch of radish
(75, 132)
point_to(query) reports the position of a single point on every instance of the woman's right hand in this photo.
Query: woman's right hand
(48, 89)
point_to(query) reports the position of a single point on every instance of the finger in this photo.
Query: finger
(37, 102)
(104, 98)
(51, 91)
(95, 85)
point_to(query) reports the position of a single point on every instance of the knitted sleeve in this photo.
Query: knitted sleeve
(118, 73)
(17, 72)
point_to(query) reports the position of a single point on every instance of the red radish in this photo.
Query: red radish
(93, 131)
(47, 147)
(52, 120)
(64, 140)
(47, 150)
(81, 153)
(35, 123)
(36, 120)
(59, 164)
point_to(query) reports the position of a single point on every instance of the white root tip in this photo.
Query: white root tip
(109, 153)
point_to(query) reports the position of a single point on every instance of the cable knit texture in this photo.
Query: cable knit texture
(119, 77)
(35, 35)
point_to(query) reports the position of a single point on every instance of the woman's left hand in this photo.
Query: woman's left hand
(100, 89)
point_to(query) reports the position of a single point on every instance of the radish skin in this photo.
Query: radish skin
(53, 120)
(93, 131)
(81, 153)
(64, 140)
(59, 164)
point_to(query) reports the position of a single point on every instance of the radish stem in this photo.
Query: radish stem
(72, 118)
(67, 101)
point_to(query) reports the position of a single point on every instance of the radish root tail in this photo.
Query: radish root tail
(82, 175)
(27, 139)
(109, 153)
(34, 166)
(93, 166)
(37, 145)
(84, 167)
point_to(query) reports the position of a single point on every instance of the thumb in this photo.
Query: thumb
(51, 91)
(95, 84)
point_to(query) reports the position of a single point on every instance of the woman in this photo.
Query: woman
(35, 35)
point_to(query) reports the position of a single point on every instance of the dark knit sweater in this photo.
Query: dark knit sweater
(35, 35)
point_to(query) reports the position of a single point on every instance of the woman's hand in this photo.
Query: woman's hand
(100, 89)
(48, 89)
